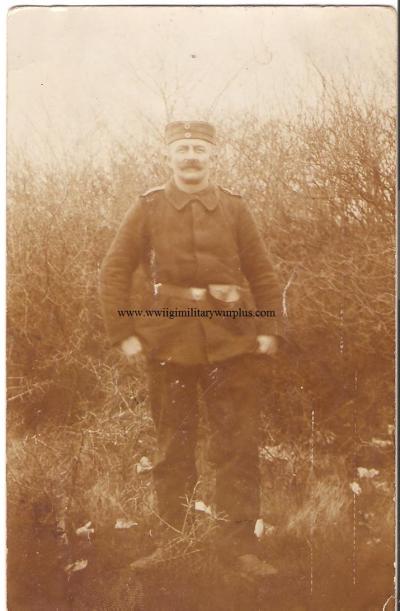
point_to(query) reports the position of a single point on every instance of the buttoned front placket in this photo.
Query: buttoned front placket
(196, 246)
(204, 243)
(197, 210)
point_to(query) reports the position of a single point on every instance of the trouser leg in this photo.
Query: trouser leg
(232, 396)
(173, 399)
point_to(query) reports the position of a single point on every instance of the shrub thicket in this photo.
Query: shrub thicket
(322, 187)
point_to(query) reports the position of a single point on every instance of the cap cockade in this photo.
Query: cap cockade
(199, 130)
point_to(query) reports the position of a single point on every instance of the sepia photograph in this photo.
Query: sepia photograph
(201, 241)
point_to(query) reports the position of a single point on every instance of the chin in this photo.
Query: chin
(191, 179)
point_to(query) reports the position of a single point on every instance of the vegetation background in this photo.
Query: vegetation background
(321, 183)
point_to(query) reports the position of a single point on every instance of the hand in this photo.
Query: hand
(131, 346)
(267, 344)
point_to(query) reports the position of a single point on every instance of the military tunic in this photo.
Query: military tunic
(190, 240)
(197, 240)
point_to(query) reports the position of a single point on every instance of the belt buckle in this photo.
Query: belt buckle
(197, 293)
(227, 293)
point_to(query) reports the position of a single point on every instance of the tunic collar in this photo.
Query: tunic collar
(208, 196)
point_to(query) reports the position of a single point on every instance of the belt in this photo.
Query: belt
(227, 292)
(182, 292)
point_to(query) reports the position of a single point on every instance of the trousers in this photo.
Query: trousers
(231, 394)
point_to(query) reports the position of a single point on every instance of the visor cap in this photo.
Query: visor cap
(179, 130)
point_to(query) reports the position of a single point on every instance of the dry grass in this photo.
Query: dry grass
(78, 419)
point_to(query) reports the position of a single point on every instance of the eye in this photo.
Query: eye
(199, 149)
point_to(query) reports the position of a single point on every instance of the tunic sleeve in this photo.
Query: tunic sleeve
(259, 273)
(122, 259)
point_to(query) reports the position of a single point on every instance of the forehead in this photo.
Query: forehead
(187, 142)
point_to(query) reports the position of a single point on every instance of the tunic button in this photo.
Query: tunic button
(187, 125)
(188, 135)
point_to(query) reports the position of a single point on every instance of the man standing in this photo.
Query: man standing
(201, 250)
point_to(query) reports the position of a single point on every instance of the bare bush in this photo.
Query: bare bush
(322, 186)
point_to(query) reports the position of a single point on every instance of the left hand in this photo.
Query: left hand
(131, 346)
(267, 344)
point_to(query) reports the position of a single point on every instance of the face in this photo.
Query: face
(190, 159)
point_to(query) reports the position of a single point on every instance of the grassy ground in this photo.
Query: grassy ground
(333, 547)
(78, 419)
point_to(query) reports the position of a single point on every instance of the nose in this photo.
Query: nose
(192, 157)
(191, 153)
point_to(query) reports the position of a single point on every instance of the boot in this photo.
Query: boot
(251, 567)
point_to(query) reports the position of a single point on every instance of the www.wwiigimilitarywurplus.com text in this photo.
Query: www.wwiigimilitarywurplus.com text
(191, 312)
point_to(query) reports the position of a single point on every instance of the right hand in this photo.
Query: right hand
(267, 344)
(131, 346)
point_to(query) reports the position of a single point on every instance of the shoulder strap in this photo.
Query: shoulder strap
(153, 190)
(229, 191)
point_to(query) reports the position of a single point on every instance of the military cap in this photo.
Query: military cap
(179, 130)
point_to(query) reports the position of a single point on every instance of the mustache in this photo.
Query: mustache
(191, 164)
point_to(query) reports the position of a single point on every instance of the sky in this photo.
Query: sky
(80, 78)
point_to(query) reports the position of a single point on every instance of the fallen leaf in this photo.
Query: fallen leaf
(78, 565)
(144, 465)
(368, 473)
(85, 531)
(200, 506)
(259, 528)
(123, 523)
(356, 488)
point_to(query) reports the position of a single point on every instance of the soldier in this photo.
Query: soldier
(200, 249)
